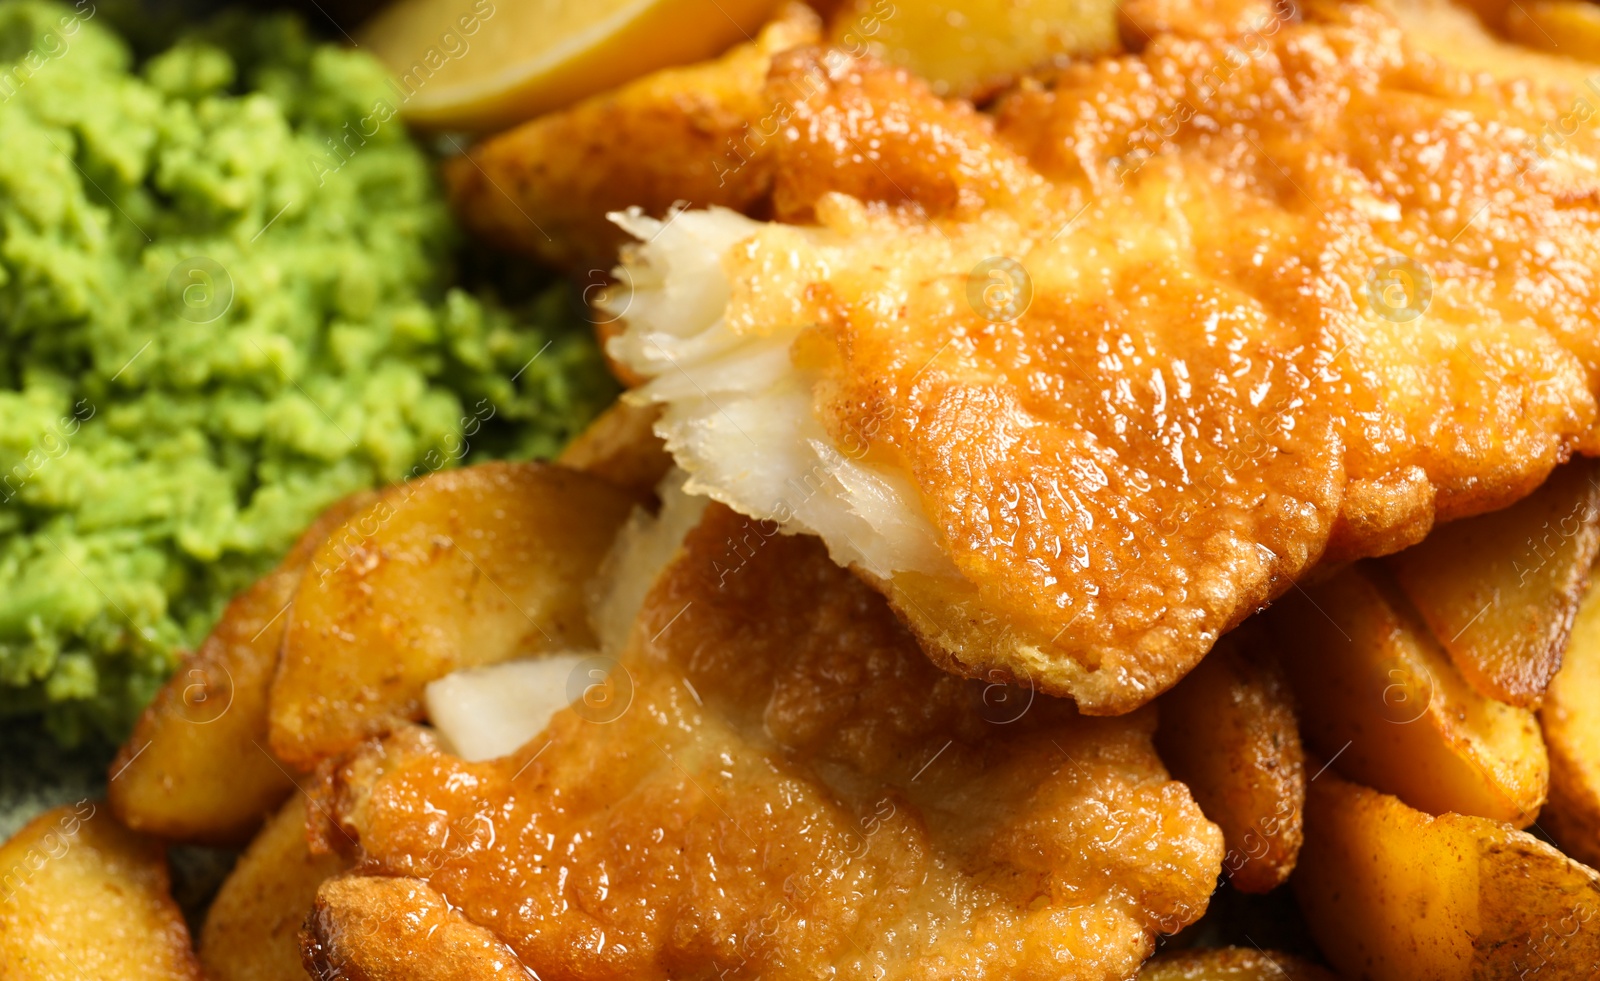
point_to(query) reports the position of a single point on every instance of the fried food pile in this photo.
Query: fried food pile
(744, 765)
(907, 618)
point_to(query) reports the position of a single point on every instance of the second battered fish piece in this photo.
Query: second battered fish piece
(1083, 384)
(777, 784)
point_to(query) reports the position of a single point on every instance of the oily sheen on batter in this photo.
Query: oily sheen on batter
(1082, 381)
(790, 791)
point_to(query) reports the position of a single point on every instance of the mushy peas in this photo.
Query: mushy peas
(218, 314)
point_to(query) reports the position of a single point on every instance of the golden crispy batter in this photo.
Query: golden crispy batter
(392, 929)
(691, 134)
(791, 790)
(1290, 294)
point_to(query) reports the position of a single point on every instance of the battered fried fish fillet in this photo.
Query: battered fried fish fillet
(1082, 384)
(777, 783)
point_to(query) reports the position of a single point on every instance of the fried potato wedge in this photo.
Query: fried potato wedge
(972, 48)
(697, 134)
(196, 767)
(1500, 590)
(369, 928)
(252, 931)
(1376, 693)
(1143, 20)
(459, 569)
(1571, 720)
(1228, 731)
(621, 446)
(1564, 27)
(1231, 964)
(83, 897)
(1392, 893)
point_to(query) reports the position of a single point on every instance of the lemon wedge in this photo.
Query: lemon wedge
(480, 65)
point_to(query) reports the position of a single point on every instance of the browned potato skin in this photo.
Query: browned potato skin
(621, 446)
(252, 931)
(82, 897)
(1500, 590)
(690, 134)
(1228, 731)
(1231, 964)
(1564, 27)
(1142, 20)
(1392, 894)
(196, 767)
(394, 929)
(459, 569)
(1571, 720)
(1376, 694)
